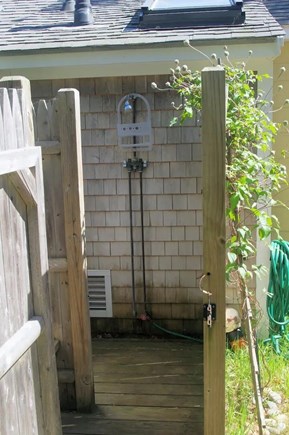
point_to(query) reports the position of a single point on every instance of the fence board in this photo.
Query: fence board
(16, 117)
(58, 282)
(43, 120)
(16, 279)
(28, 391)
(23, 374)
(8, 132)
(42, 304)
(7, 385)
(2, 142)
(58, 133)
(22, 85)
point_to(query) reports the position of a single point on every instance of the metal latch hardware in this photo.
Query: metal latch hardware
(209, 313)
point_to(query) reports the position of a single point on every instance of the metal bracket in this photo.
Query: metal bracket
(136, 165)
(135, 135)
(209, 313)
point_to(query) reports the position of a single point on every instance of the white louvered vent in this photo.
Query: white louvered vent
(99, 293)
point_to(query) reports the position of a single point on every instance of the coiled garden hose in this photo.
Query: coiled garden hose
(278, 291)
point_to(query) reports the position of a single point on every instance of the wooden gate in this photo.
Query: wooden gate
(28, 380)
(58, 132)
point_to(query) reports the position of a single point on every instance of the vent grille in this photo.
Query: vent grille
(99, 293)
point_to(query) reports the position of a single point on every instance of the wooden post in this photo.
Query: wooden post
(213, 136)
(72, 182)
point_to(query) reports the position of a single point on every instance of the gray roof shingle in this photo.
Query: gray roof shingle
(42, 25)
(279, 9)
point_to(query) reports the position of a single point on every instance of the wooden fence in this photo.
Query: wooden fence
(28, 379)
(57, 131)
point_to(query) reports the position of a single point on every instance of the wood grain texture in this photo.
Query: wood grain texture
(24, 182)
(72, 185)
(42, 305)
(58, 134)
(142, 394)
(15, 347)
(22, 85)
(213, 134)
(29, 395)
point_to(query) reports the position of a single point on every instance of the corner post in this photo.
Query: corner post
(213, 138)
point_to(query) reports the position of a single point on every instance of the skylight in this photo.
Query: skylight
(190, 4)
(191, 13)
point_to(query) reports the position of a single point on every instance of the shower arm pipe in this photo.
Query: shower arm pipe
(134, 120)
(142, 238)
(131, 245)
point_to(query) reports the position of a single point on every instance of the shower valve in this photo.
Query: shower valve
(136, 165)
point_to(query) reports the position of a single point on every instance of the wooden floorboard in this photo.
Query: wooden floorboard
(121, 399)
(143, 386)
(122, 427)
(159, 379)
(151, 388)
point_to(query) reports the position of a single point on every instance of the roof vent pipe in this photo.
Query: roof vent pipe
(83, 13)
(68, 6)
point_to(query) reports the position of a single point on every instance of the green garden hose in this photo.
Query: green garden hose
(177, 334)
(278, 291)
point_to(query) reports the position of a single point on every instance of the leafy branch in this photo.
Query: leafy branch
(253, 175)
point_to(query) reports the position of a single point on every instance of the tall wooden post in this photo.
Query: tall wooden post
(72, 181)
(213, 137)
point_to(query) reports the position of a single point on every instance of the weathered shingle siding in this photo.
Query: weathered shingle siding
(172, 186)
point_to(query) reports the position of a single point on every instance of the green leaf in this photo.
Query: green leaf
(232, 257)
(234, 200)
(174, 121)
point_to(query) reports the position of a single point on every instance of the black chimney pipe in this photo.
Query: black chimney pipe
(83, 13)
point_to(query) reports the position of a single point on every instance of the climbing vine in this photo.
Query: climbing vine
(253, 175)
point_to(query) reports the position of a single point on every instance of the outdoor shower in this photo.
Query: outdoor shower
(135, 136)
(135, 133)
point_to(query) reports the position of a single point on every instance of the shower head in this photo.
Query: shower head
(127, 105)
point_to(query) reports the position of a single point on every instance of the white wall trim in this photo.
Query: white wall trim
(124, 62)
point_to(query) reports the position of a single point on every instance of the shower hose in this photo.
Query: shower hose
(278, 292)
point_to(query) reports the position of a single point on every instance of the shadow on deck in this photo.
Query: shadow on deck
(143, 386)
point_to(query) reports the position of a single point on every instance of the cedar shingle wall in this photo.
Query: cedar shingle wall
(172, 188)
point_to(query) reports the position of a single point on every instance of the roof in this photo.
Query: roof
(279, 9)
(42, 25)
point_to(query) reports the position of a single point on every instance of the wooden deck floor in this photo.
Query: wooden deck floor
(145, 387)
